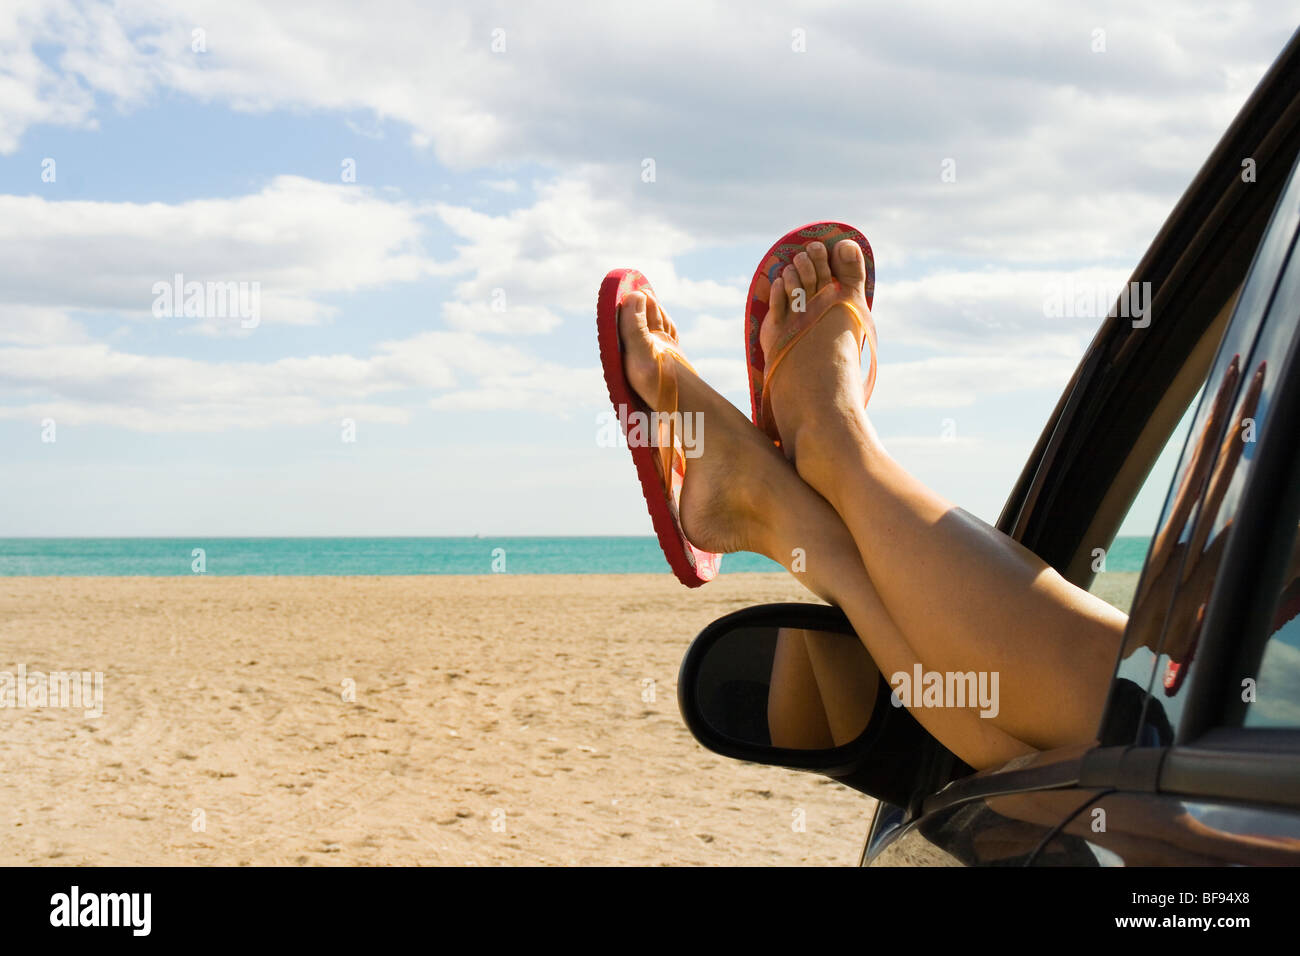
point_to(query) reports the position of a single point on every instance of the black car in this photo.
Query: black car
(1197, 758)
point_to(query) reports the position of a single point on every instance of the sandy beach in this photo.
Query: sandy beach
(495, 720)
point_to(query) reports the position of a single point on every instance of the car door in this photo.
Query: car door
(1214, 260)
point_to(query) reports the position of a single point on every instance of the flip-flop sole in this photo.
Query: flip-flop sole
(692, 566)
(777, 258)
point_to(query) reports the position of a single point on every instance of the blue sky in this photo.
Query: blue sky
(513, 176)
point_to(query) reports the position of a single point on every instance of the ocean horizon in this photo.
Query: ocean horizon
(337, 556)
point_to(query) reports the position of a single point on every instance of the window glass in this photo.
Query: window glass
(1186, 553)
(1116, 580)
(1274, 700)
(1177, 581)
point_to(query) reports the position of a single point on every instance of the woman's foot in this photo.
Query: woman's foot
(730, 496)
(818, 385)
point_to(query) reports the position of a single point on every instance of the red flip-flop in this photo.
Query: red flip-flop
(777, 258)
(654, 438)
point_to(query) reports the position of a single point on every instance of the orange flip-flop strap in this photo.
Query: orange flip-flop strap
(672, 454)
(802, 323)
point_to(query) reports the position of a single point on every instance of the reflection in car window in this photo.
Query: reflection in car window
(1274, 701)
(1196, 523)
(1189, 546)
(1169, 611)
(1118, 583)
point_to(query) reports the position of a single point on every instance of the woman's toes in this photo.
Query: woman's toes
(776, 302)
(821, 263)
(803, 264)
(795, 290)
(655, 317)
(775, 318)
(632, 317)
(848, 264)
(634, 331)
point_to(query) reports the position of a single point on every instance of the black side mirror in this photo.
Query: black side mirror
(792, 685)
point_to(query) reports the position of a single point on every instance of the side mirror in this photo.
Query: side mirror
(792, 685)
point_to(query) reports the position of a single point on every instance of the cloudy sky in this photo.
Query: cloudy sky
(428, 195)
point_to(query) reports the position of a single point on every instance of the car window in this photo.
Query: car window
(1273, 696)
(1118, 563)
(1164, 630)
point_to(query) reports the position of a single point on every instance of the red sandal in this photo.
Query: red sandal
(657, 449)
(777, 258)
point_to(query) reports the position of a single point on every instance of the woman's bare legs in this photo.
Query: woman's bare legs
(965, 596)
(742, 495)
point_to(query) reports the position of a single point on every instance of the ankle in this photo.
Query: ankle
(813, 545)
(837, 452)
(775, 527)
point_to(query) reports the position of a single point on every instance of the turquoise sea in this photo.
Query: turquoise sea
(163, 557)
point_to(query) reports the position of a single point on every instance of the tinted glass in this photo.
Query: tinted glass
(1189, 543)
(1272, 692)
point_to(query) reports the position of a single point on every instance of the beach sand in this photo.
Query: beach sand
(1116, 588)
(496, 720)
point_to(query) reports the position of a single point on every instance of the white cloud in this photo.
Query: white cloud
(96, 384)
(31, 91)
(545, 388)
(297, 238)
(856, 126)
(485, 317)
(727, 375)
(39, 325)
(955, 381)
(714, 333)
(555, 251)
(997, 310)
(748, 136)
